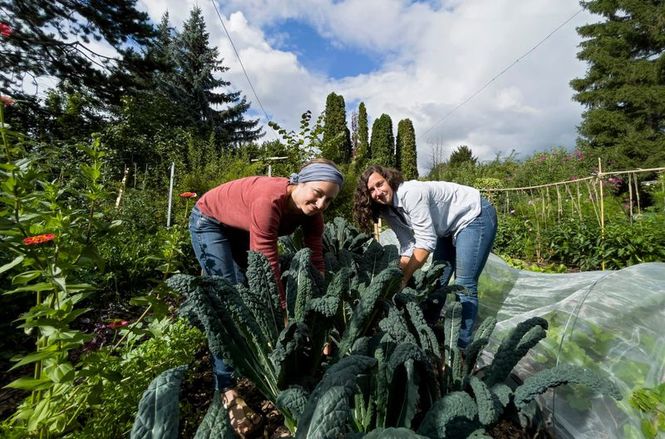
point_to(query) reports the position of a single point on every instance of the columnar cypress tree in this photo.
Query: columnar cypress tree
(382, 143)
(406, 155)
(624, 87)
(362, 153)
(336, 144)
(192, 83)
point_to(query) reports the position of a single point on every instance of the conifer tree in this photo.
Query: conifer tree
(405, 151)
(336, 135)
(53, 38)
(362, 154)
(382, 143)
(461, 156)
(624, 86)
(192, 85)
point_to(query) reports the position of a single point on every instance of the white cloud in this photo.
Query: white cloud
(435, 58)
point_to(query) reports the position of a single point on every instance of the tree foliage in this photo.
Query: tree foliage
(382, 144)
(624, 87)
(363, 152)
(406, 155)
(55, 38)
(462, 155)
(194, 88)
(336, 135)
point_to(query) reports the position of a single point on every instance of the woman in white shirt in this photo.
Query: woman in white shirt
(451, 221)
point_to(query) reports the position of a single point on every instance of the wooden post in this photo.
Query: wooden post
(122, 187)
(630, 196)
(637, 194)
(602, 213)
(168, 212)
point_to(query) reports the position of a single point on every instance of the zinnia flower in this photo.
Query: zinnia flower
(5, 30)
(188, 195)
(117, 324)
(7, 101)
(38, 239)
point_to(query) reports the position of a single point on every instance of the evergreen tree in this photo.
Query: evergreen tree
(192, 86)
(462, 155)
(336, 136)
(354, 133)
(362, 153)
(624, 87)
(382, 143)
(52, 38)
(405, 153)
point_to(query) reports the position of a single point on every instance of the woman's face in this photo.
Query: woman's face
(379, 189)
(314, 196)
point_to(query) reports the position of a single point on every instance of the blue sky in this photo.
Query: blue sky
(418, 60)
(319, 54)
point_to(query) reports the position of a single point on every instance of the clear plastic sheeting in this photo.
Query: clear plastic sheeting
(612, 322)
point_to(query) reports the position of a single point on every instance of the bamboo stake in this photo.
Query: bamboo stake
(630, 196)
(602, 213)
(637, 193)
(559, 207)
(589, 187)
(579, 200)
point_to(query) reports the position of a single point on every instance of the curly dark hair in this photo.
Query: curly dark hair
(366, 211)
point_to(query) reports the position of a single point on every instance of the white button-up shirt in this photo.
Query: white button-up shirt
(423, 211)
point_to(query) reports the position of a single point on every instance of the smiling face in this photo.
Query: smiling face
(314, 196)
(379, 189)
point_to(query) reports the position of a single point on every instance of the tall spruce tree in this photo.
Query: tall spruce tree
(624, 87)
(53, 38)
(192, 85)
(405, 152)
(382, 143)
(336, 135)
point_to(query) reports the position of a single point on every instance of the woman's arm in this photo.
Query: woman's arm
(410, 265)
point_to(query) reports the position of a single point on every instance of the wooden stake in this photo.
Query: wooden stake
(602, 213)
(122, 187)
(630, 196)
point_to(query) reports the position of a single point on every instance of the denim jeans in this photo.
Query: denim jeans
(218, 249)
(467, 258)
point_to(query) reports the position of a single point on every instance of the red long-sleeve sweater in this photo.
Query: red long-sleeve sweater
(259, 205)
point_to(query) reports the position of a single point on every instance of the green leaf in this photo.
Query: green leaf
(42, 286)
(12, 264)
(35, 356)
(158, 413)
(30, 384)
(60, 373)
(25, 277)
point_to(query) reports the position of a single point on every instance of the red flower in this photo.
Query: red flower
(117, 324)
(188, 195)
(7, 101)
(5, 30)
(38, 239)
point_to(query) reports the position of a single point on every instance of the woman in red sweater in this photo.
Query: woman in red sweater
(250, 214)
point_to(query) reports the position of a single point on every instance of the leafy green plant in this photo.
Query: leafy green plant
(651, 405)
(51, 231)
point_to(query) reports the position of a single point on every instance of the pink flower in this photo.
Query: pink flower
(188, 195)
(5, 30)
(579, 154)
(7, 101)
(116, 324)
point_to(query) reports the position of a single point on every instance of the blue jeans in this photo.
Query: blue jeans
(467, 258)
(219, 250)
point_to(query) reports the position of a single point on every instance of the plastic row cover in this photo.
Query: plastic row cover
(612, 322)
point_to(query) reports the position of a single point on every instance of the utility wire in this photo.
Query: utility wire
(487, 84)
(214, 5)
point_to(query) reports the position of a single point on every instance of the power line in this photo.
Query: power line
(214, 5)
(476, 93)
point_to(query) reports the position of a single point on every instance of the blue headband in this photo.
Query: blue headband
(318, 172)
